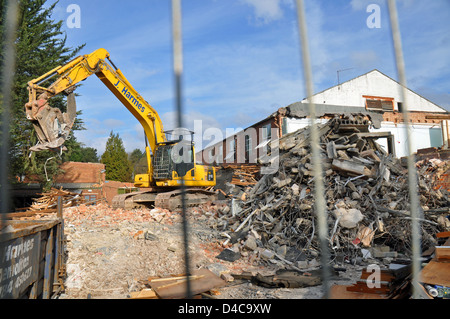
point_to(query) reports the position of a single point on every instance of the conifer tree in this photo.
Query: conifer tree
(40, 47)
(115, 158)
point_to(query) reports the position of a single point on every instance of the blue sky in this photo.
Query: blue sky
(242, 57)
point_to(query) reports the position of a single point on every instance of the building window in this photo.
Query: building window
(284, 130)
(90, 199)
(231, 151)
(266, 132)
(219, 158)
(248, 147)
(267, 135)
(379, 103)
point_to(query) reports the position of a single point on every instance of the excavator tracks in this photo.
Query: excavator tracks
(193, 197)
(171, 200)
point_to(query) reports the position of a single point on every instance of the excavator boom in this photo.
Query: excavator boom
(52, 126)
(165, 169)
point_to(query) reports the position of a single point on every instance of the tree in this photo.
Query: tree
(89, 155)
(115, 158)
(135, 156)
(138, 161)
(76, 151)
(83, 154)
(40, 47)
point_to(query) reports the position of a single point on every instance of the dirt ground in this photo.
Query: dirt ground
(111, 253)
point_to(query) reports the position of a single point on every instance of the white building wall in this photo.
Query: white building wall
(374, 83)
(294, 124)
(424, 135)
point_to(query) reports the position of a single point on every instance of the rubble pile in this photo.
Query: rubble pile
(234, 180)
(243, 175)
(366, 192)
(49, 200)
(46, 205)
(102, 214)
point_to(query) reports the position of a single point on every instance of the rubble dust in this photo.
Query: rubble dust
(112, 253)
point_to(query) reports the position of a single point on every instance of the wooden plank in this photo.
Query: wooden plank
(363, 287)
(341, 292)
(436, 273)
(28, 213)
(331, 150)
(438, 117)
(443, 234)
(350, 167)
(384, 275)
(175, 288)
(144, 294)
(177, 278)
(443, 253)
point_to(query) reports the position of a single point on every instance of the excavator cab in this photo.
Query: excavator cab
(175, 160)
(181, 151)
(170, 160)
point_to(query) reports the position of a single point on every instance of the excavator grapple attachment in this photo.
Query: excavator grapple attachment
(51, 125)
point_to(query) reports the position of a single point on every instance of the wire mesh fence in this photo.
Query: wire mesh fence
(320, 204)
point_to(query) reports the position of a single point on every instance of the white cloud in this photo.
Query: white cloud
(266, 10)
(359, 4)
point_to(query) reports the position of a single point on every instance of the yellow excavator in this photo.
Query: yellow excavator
(170, 162)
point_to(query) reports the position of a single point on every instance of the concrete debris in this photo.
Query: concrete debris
(229, 255)
(348, 218)
(366, 191)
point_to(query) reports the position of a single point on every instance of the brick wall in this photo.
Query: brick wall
(443, 181)
(110, 189)
(414, 117)
(75, 172)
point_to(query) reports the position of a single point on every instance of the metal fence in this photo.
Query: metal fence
(320, 201)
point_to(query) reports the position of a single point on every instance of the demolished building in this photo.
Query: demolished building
(373, 96)
(368, 207)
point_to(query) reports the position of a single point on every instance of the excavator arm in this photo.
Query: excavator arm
(53, 126)
(165, 169)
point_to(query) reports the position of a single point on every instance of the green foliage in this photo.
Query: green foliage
(85, 155)
(115, 158)
(40, 47)
(138, 161)
(135, 156)
(76, 151)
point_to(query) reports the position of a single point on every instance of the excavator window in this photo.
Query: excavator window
(169, 158)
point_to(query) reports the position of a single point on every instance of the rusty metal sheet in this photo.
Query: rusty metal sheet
(10, 229)
(19, 265)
